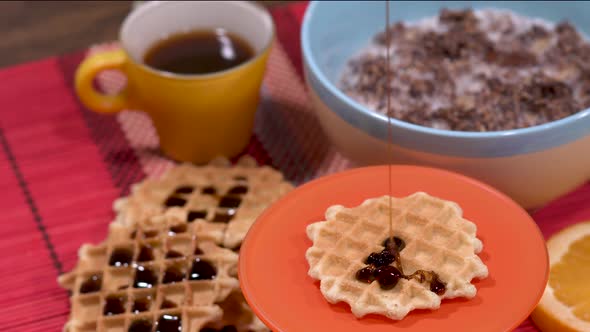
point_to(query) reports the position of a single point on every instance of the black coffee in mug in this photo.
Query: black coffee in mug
(199, 52)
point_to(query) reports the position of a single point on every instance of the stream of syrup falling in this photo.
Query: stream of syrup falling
(388, 107)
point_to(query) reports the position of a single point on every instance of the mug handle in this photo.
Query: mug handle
(86, 73)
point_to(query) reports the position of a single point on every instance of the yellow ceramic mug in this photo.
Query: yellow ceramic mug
(197, 117)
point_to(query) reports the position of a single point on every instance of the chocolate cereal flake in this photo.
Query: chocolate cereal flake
(469, 70)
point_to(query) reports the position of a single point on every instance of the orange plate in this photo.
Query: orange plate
(273, 269)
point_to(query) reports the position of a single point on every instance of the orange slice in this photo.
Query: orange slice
(565, 305)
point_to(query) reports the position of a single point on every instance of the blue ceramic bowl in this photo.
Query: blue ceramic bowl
(532, 165)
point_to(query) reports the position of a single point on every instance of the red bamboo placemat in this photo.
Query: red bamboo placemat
(61, 166)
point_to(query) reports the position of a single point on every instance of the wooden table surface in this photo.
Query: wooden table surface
(31, 30)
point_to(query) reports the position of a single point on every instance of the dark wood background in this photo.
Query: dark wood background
(31, 30)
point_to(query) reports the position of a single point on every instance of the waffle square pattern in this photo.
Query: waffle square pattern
(225, 199)
(436, 238)
(153, 276)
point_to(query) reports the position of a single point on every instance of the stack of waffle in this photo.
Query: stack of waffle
(169, 262)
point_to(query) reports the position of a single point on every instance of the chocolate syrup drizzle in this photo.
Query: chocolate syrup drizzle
(379, 269)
